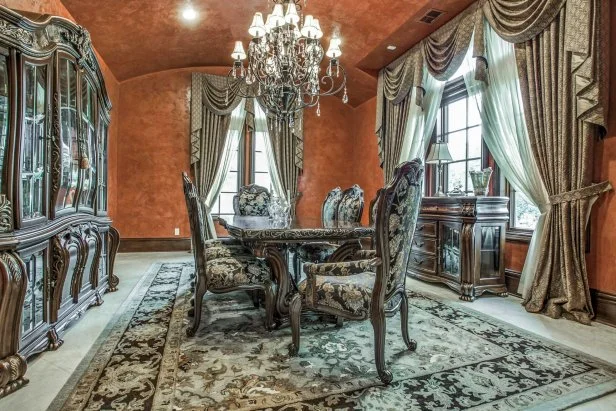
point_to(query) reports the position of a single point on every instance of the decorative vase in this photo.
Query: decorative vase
(480, 180)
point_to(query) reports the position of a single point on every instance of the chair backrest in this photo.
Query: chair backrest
(373, 208)
(397, 211)
(351, 205)
(329, 212)
(197, 213)
(252, 200)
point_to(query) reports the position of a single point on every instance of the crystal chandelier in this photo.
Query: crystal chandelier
(284, 62)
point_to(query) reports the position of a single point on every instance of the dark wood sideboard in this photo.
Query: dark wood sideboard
(57, 245)
(460, 241)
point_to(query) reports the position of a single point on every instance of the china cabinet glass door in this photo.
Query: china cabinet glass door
(34, 142)
(88, 145)
(69, 142)
(4, 115)
(101, 199)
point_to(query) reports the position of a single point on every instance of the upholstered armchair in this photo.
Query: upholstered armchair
(252, 200)
(221, 269)
(344, 206)
(352, 290)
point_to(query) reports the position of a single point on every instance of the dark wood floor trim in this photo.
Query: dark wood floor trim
(512, 281)
(604, 305)
(131, 245)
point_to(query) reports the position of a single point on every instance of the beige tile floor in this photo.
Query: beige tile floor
(49, 372)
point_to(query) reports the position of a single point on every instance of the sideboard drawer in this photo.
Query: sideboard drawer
(426, 228)
(424, 244)
(422, 262)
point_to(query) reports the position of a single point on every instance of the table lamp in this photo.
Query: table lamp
(439, 154)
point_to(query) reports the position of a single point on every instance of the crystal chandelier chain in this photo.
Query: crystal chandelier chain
(284, 63)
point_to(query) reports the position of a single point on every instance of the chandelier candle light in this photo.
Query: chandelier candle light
(284, 62)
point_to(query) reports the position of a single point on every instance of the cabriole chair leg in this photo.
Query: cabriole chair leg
(199, 293)
(404, 317)
(378, 324)
(295, 311)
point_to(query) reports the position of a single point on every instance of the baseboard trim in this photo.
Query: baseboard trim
(137, 245)
(512, 281)
(604, 305)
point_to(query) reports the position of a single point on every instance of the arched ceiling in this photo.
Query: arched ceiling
(138, 37)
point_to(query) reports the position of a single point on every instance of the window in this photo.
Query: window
(524, 215)
(249, 155)
(260, 170)
(459, 124)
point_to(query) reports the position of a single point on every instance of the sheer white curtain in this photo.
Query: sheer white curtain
(236, 127)
(421, 120)
(505, 133)
(261, 127)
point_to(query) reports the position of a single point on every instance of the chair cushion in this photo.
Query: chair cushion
(316, 252)
(236, 271)
(212, 253)
(351, 293)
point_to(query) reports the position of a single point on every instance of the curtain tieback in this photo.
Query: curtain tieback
(574, 195)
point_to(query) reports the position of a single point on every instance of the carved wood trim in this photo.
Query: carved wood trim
(13, 284)
(112, 251)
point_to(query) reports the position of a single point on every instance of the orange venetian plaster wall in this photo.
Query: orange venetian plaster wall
(602, 259)
(328, 154)
(154, 126)
(366, 154)
(56, 8)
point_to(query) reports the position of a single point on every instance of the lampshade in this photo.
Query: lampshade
(238, 51)
(439, 153)
(257, 28)
(333, 52)
(317, 26)
(277, 16)
(309, 30)
(291, 17)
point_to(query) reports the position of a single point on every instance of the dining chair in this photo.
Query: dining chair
(346, 206)
(252, 200)
(371, 252)
(351, 289)
(320, 252)
(221, 269)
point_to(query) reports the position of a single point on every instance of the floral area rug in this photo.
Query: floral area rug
(464, 360)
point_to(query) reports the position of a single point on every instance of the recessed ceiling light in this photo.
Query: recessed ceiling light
(391, 47)
(189, 13)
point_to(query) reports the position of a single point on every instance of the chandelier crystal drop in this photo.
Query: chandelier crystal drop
(284, 62)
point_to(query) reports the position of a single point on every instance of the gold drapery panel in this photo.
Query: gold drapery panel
(517, 21)
(442, 53)
(563, 124)
(285, 144)
(212, 102)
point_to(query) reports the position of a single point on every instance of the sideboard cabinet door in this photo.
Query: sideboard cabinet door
(451, 250)
(33, 165)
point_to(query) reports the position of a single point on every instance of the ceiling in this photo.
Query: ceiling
(137, 37)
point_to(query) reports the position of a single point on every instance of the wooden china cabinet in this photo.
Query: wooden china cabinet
(57, 245)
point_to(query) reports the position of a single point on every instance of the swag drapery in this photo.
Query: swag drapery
(218, 114)
(560, 57)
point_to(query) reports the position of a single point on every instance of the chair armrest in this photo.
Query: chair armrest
(364, 254)
(342, 268)
(220, 242)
